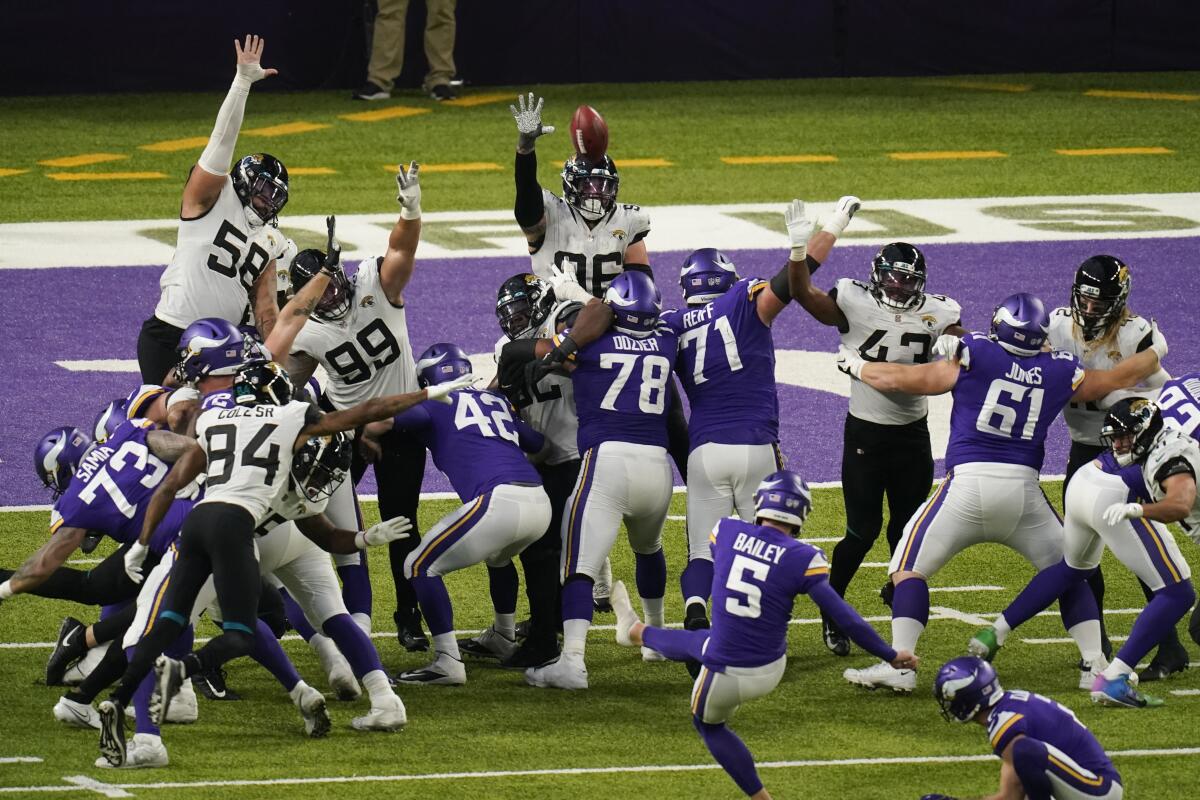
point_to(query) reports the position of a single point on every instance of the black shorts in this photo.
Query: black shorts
(218, 540)
(157, 349)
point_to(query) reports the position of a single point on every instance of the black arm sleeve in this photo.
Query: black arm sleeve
(813, 265)
(779, 285)
(529, 208)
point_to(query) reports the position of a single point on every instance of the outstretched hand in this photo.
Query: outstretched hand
(333, 250)
(408, 190)
(529, 122)
(249, 57)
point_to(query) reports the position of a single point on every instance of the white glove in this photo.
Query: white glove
(846, 208)
(390, 530)
(1158, 342)
(6, 590)
(947, 346)
(249, 70)
(441, 392)
(408, 191)
(529, 122)
(134, 557)
(1119, 512)
(799, 228)
(566, 285)
(850, 362)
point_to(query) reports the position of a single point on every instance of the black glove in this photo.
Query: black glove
(333, 250)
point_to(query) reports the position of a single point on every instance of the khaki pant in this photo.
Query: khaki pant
(387, 45)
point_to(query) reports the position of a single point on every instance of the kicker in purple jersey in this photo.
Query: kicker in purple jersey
(1021, 713)
(757, 573)
(112, 487)
(1179, 400)
(475, 440)
(1004, 404)
(1131, 475)
(726, 364)
(621, 388)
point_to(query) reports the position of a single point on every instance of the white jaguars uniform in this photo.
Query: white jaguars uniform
(1169, 445)
(880, 333)
(1085, 419)
(366, 353)
(552, 412)
(595, 254)
(218, 257)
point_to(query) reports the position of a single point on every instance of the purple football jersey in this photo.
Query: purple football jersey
(621, 385)
(757, 573)
(475, 440)
(1179, 400)
(112, 487)
(1131, 475)
(1004, 404)
(726, 351)
(1021, 713)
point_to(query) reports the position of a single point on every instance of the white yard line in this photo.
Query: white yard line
(20, 760)
(93, 785)
(1185, 692)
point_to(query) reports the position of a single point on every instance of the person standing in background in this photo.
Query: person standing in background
(387, 49)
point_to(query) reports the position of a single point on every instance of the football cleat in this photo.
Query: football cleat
(1163, 665)
(836, 641)
(488, 644)
(211, 684)
(169, 680)
(79, 715)
(184, 710)
(694, 619)
(1089, 670)
(569, 672)
(69, 647)
(883, 674)
(311, 705)
(602, 588)
(1120, 692)
(626, 616)
(336, 667)
(145, 751)
(389, 715)
(532, 654)
(410, 635)
(112, 733)
(444, 670)
(651, 655)
(983, 644)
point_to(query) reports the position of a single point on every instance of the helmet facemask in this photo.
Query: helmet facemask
(591, 189)
(898, 285)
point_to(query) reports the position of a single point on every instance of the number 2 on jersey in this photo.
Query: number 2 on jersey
(699, 337)
(736, 582)
(468, 414)
(1184, 413)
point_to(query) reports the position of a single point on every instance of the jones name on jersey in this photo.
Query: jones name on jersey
(595, 254)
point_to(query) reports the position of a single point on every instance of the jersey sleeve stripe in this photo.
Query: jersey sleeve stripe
(998, 735)
(811, 571)
(1075, 772)
(56, 524)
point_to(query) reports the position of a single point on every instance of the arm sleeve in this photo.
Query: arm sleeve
(527, 438)
(413, 419)
(813, 265)
(529, 207)
(780, 286)
(218, 153)
(849, 620)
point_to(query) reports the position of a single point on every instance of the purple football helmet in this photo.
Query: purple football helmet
(783, 496)
(965, 686)
(109, 419)
(706, 275)
(209, 346)
(1021, 325)
(57, 456)
(442, 362)
(635, 301)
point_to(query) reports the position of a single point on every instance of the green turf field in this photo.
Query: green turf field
(635, 714)
(691, 126)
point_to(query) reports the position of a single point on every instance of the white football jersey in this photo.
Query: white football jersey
(597, 254)
(1085, 419)
(218, 257)
(880, 333)
(1169, 445)
(552, 412)
(249, 451)
(366, 353)
(288, 506)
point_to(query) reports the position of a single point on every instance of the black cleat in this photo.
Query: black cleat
(695, 619)
(112, 733)
(532, 653)
(1163, 665)
(69, 647)
(211, 684)
(91, 541)
(410, 635)
(887, 592)
(834, 639)
(523, 628)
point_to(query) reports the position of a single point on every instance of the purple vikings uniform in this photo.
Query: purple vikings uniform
(112, 486)
(726, 351)
(1179, 400)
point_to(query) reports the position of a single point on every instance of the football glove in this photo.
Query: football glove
(845, 210)
(1158, 342)
(390, 530)
(441, 392)
(248, 58)
(6, 590)
(1119, 512)
(333, 250)
(529, 122)
(850, 362)
(134, 556)
(408, 191)
(566, 285)
(799, 228)
(947, 346)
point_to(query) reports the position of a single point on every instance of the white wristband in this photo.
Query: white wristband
(836, 225)
(360, 540)
(410, 213)
(6, 590)
(799, 254)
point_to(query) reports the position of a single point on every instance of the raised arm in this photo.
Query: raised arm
(816, 302)
(529, 207)
(264, 302)
(936, 377)
(396, 269)
(297, 311)
(379, 408)
(204, 185)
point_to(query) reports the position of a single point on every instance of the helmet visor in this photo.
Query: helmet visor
(596, 193)
(516, 317)
(268, 196)
(900, 286)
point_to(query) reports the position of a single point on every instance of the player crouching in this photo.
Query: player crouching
(759, 568)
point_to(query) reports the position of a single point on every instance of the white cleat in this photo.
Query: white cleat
(79, 715)
(1088, 670)
(337, 668)
(183, 710)
(626, 616)
(652, 655)
(569, 672)
(444, 670)
(389, 715)
(83, 667)
(311, 705)
(488, 644)
(883, 674)
(602, 588)
(145, 751)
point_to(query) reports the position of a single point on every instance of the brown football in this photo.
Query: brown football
(589, 133)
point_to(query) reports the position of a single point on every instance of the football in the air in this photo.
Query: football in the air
(589, 133)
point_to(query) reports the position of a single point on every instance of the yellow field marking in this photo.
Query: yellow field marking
(83, 160)
(481, 99)
(174, 145)
(391, 112)
(946, 155)
(105, 176)
(1117, 151)
(1184, 98)
(799, 159)
(311, 171)
(982, 86)
(286, 129)
(466, 166)
(7, 171)
(645, 162)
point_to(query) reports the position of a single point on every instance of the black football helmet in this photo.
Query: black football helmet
(338, 298)
(1098, 295)
(262, 383)
(261, 182)
(321, 466)
(898, 276)
(590, 187)
(522, 304)
(1130, 428)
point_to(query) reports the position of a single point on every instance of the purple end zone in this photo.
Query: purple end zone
(95, 313)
